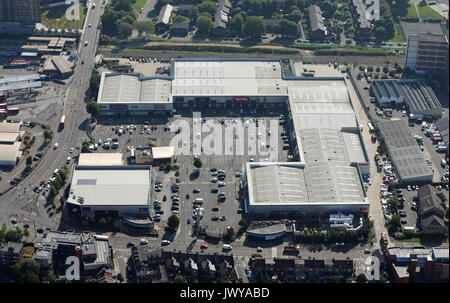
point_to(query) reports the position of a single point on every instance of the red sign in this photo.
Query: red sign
(241, 99)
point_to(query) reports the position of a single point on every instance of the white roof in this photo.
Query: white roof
(101, 159)
(9, 137)
(163, 152)
(9, 127)
(115, 185)
(9, 152)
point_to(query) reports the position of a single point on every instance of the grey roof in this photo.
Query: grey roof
(63, 65)
(416, 28)
(19, 79)
(17, 86)
(164, 14)
(13, 247)
(132, 88)
(181, 25)
(404, 151)
(429, 208)
(442, 126)
(110, 185)
(315, 18)
(266, 229)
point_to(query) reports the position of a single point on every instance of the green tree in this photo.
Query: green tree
(29, 160)
(144, 27)
(295, 16)
(361, 278)
(53, 191)
(254, 27)
(3, 233)
(204, 24)
(197, 162)
(48, 135)
(124, 29)
(14, 235)
(378, 69)
(361, 68)
(26, 271)
(395, 221)
(207, 6)
(286, 28)
(180, 279)
(51, 277)
(236, 23)
(380, 33)
(385, 70)
(26, 233)
(370, 68)
(172, 222)
(92, 107)
(399, 70)
(392, 73)
(193, 13)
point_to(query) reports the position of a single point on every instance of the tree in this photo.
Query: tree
(92, 107)
(193, 13)
(159, 4)
(204, 24)
(377, 69)
(145, 27)
(254, 27)
(380, 33)
(3, 233)
(172, 222)
(197, 162)
(385, 70)
(295, 16)
(180, 279)
(29, 160)
(14, 235)
(207, 6)
(26, 271)
(399, 70)
(51, 277)
(124, 29)
(361, 278)
(236, 23)
(392, 73)
(395, 221)
(53, 191)
(286, 28)
(48, 135)
(370, 68)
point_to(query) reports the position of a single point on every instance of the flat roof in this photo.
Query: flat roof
(404, 150)
(9, 152)
(20, 86)
(110, 185)
(9, 137)
(131, 88)
(19, 78)
(101, 159)
(293, 183)
(62, 64)
(163, 152)
(223, 77)
(8, 127)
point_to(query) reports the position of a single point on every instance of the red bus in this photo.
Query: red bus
(3, 112)
(63, 122)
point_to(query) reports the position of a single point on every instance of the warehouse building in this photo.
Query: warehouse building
(10, 142)
(129, 94)
(408, 159)
(100, 159)
(317, 24)
(114, 191)
(332, 158)
(418, 95)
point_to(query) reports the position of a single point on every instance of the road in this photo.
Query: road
(13, 203)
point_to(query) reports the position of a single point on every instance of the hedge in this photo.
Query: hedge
(220, 49)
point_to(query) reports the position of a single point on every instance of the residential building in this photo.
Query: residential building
(430, 210)
(418, 265)
(427, 53)
(10, 253)
(298, 269)
(363, 24)
(316, 22)
(221, 18)
(26, 11)
(162, 24)
(180, 28)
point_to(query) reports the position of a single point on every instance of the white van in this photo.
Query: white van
(144, 241)
(424, 124)
(57, 170)
(227, 247)
(443, 163)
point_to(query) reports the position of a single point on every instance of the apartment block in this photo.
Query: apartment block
(20, 10)
(427, 54)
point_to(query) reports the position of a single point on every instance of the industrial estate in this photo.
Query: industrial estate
(141, 155)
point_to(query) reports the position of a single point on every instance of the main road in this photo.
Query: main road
(12, 204)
